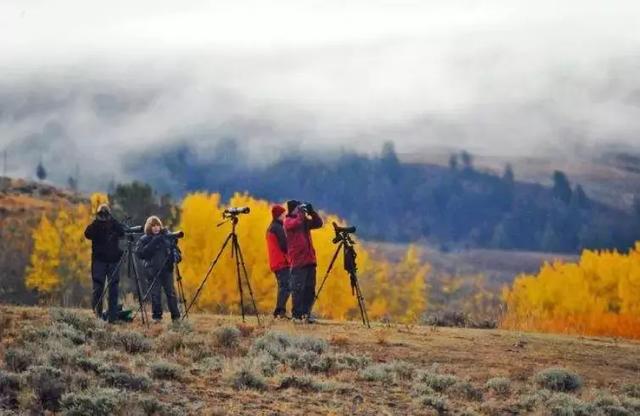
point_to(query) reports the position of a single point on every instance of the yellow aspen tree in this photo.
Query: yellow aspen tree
(45, 258)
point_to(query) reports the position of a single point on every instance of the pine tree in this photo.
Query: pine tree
(41, 172)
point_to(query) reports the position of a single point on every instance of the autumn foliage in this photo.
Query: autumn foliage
(599, 295)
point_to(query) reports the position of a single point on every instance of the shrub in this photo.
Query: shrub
(499, 385)
(435, 401)
(70, 333)
(532, 400)
(267, 365)
(210, 364)
(631, 404)
(181, 326)
(245, 329)
(6, 323)
(558, 379)
(61, 357)
(77, 320)
(18, 359)
(304, 383)
(153, 407)
(562, 404)
(164, 370)
(467, 390)
(120, 377)
(88, 364)
(9, 390)
(132, 342)
(97, 402)
(170, 342)
(377, 372)
(438, 382)
(47, 383)
(351, 362)
(247, 378)
(632, 390)
(276, 343)
(227, 336)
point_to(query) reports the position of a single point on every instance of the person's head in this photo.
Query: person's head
(292, 205)
(277, 212)
(103, 212)
(153, 225)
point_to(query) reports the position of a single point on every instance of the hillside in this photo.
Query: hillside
(22, 203)
(214, 365)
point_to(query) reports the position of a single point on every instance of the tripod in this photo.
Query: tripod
(182, 298)
(241, 270)
(346, 243)
(132, 270)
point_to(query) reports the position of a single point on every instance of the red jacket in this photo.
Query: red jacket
(299, 244)
(277, 247)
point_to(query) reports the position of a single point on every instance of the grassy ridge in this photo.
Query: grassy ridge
(65, 361)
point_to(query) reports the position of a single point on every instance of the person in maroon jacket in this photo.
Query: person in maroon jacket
(298, 224)
(278, 261)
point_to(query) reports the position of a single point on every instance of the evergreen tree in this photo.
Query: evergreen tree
(561, 187)
(41, 172)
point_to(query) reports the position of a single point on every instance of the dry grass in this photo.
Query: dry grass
(328, 368)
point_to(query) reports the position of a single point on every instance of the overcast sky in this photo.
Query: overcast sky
(505, 77)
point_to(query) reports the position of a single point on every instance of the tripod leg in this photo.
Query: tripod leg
(136, 276)
(326, 275)
(183, 299)
(206, 276)
(246, 278)
(234, 251)
(361, 304)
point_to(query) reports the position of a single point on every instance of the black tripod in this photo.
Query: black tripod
(132, 271)
(181, 295)
(230, 215)
(346, 243)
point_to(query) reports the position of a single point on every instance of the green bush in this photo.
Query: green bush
(558, 379)
(388, 372)
(96, 402)
(170, 342)
(71, 333)
(277, 343)
(267, 365)
(18, 359)
(151, 406)
(499, 385)
(132, 342)
(48, 384)
(163, 370)
(351, 362)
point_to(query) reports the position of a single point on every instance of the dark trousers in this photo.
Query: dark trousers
(164, 282)
(100, 271)
(284, 290)
(303, 288)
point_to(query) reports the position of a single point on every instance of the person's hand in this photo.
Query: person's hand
(310, 208)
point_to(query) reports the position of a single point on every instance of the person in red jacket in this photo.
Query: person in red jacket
(298, 224)
(278, 261)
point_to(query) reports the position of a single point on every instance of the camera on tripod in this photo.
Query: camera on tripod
(135, 229)
(343, 234)
(235, 211)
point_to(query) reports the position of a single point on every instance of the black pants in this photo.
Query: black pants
(100, 271)
(284, 290)
(164, 282)
(303, 287)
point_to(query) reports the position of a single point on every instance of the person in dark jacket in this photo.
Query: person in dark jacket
(105, 233)
(159, 254)
(278, 261)
(302, 257)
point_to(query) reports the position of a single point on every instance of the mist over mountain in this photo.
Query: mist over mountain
(86, 87)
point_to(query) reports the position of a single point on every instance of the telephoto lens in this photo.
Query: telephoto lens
(237, 210)
(176, 234)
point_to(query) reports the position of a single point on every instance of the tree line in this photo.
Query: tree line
(455, 206)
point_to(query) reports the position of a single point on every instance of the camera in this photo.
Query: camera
(236, 211)
(176, 235)
(343, 234)
(134, 229)
(306, 207)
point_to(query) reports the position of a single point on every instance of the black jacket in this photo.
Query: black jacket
(104, 236)
(156, 251)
